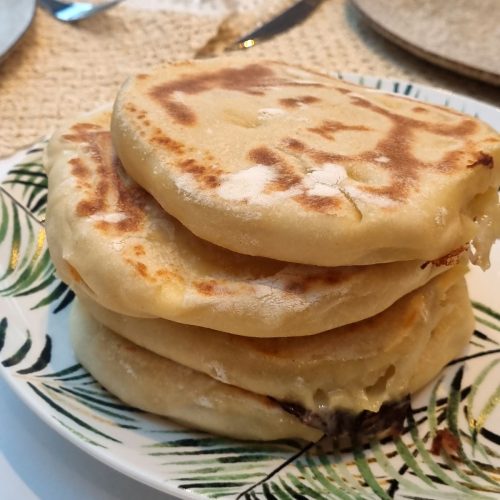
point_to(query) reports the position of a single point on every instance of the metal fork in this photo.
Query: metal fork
(70, 12)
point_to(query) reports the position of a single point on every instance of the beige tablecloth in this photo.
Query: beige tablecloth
(59, 70)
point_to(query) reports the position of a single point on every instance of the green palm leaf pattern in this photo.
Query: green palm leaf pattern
(72, 387)
(27, 267)
(89, 412)
(218, 467)
(405, 466)
(27, 182)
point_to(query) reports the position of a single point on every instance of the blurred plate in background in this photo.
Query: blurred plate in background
(15, 19)
(460, 35)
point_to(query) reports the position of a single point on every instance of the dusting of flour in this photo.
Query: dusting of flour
(247, 184)
(268, 113)
(128, 369)
(112, 218)
(218, 372)
(205, 402)
(325, 180)
(441, 215)
(250, 185)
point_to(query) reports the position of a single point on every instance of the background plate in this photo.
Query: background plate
(461, 35)
(37, 362)
(15, 19)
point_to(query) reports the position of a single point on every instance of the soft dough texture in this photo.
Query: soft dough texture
(110, 240)
(274, 160)
(356, 367)
(155, 384)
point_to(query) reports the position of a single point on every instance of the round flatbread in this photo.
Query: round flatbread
(109, 239)
(356, 367)
(269, 159)
(155, 384)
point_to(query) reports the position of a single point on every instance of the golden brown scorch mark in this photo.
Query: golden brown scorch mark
(161, 275)
(295, 102)
(166, 274)
(328, 128)
(450, 259)
(78, 169)
(318, 156)
(212, 288)
(206, 176)
(166, 142)
(324, 204)
(139, 250)
(79, 131)
(465, 127)
(104, 182)
(157, 136)
(396, 146)
(484, 160)
(253, 79)
(286, 176)
(141, 269)
(343, 90)
(302, 284)
(74, 273)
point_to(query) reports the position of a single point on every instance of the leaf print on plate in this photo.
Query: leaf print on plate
(26, 260)
(449, 447)
(406, 466)
(26, 182)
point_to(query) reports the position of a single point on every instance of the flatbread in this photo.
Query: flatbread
(110, 240)
(155, 384)
(356, 367)
(270, 159)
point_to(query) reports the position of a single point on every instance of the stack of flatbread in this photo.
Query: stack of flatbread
(262, 251)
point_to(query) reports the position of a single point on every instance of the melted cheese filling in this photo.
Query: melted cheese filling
(485, 212)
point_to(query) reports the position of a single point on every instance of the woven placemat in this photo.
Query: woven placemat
(59, 70)
(337, 37)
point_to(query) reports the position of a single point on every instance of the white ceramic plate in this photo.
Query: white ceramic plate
(38, 364)
(460, 35)
(15, 19)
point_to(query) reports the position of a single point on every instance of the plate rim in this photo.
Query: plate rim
(105, 457)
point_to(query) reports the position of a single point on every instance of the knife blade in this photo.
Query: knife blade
(294, 15)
